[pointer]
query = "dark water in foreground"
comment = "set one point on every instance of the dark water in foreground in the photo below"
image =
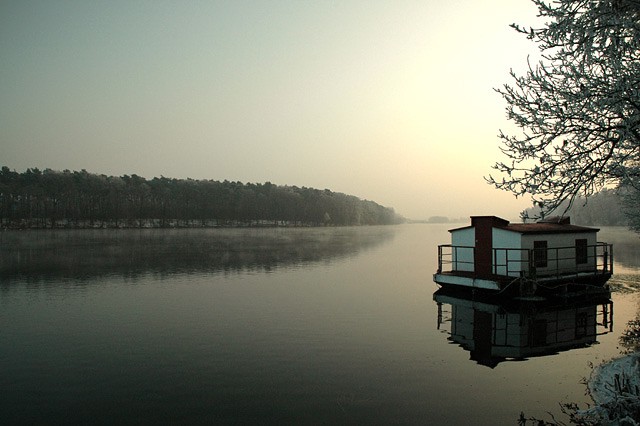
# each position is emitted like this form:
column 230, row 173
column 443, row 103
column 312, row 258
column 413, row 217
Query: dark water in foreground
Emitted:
column 281, row 326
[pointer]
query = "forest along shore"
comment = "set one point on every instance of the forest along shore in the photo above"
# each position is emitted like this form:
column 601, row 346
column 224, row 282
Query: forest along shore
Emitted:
column 43, row 223
column 53, row 199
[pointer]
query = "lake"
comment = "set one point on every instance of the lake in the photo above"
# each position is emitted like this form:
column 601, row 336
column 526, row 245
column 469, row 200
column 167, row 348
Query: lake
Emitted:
column 281, row 326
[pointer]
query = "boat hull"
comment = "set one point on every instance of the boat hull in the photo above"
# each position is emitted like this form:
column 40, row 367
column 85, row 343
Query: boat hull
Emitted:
column 524, row 286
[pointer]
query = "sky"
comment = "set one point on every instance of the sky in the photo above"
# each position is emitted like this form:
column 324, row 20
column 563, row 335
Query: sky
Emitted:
column 391, row 101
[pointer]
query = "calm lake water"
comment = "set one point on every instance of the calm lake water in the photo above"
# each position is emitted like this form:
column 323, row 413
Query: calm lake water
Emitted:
column 281, row 326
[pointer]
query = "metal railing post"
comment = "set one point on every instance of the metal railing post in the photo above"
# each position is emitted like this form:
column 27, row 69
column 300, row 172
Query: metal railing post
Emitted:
column 454, row 261
column 611, row 257
column 532, row 266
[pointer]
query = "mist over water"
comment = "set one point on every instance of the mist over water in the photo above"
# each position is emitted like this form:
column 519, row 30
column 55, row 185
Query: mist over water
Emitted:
column 318, row 325
column 48, row 255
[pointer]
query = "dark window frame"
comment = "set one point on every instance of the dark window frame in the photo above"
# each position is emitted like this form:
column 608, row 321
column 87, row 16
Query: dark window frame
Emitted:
column 582, row 255
column 540, row 257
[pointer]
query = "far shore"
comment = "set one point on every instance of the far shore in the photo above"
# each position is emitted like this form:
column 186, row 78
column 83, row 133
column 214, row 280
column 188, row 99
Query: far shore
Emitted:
column 42, row 224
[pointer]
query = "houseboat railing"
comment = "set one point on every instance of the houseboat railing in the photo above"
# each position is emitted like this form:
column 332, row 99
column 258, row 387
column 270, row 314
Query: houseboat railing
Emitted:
column 455, row 258
column 515, row 261
column 550, row 262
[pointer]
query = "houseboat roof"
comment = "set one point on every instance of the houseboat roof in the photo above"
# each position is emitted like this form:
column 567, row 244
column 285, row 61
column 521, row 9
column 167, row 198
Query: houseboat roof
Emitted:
column 552, row 225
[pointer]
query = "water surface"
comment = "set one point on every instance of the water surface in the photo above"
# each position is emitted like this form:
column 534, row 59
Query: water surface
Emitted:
column 257, row 326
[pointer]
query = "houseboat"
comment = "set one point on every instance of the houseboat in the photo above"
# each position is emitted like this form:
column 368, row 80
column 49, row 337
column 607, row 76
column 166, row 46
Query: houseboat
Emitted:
column 524, row 259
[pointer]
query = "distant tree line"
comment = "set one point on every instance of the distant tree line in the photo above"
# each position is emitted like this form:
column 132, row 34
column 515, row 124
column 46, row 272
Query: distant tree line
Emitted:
column 440, row 220
column 604, row 208
column 54, row 199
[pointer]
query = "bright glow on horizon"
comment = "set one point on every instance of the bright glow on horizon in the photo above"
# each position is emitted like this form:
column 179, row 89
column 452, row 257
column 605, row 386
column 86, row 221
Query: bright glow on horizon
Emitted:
column 390, row 101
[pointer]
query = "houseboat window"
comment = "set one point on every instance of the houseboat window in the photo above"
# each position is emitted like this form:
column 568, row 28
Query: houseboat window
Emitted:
column 581, row 325
column 540, row 254
column 581, row 251
column 538, row 333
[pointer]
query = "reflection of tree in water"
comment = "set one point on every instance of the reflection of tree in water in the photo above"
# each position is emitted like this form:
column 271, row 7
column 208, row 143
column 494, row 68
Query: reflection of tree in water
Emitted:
column 630, row 338
column 81, row 255
column 624, row 409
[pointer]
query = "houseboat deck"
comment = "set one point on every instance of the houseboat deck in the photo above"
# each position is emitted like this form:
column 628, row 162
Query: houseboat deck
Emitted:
column 521, row 285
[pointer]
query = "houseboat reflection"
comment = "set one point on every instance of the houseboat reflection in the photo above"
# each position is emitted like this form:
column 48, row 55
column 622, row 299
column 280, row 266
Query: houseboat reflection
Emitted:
column 494, row 331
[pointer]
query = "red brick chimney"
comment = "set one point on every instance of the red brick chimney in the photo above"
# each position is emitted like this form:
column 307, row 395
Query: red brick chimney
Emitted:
column 483, row 253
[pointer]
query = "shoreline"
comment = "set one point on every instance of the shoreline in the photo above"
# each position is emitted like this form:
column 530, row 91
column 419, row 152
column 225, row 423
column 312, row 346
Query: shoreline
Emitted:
column 614, row 387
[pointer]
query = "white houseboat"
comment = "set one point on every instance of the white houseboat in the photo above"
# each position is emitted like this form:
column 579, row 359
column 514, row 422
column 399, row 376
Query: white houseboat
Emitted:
column 523, row 258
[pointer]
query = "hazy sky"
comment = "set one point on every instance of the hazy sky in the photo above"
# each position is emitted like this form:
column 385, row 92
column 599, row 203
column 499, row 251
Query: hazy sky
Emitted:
column 390, row 101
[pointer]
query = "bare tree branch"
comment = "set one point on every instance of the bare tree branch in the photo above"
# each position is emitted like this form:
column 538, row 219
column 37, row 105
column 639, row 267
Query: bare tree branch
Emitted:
column 578, row 108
